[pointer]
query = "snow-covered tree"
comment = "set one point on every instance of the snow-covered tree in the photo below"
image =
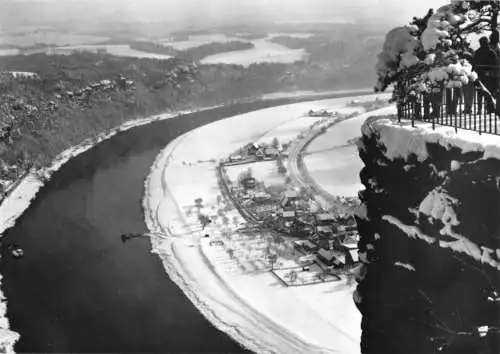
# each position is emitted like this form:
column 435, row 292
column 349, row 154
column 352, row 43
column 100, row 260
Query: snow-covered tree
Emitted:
column 432, row 53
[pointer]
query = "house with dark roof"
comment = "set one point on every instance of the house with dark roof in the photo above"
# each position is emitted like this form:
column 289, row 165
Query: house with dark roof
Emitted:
column 289, row 215
column 305, row 245
column 271, row 152
column 288, row 198
column 324, row 219
column 325, row 229
column 331, row 258
column 260, row 197
column 252, row 149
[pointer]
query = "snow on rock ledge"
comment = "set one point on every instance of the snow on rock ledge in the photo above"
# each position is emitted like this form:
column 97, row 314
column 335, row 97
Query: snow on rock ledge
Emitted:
column 430, row 239
column 401, row 139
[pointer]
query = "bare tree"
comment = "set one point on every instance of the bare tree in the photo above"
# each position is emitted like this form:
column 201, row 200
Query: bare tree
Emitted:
column 272, row 258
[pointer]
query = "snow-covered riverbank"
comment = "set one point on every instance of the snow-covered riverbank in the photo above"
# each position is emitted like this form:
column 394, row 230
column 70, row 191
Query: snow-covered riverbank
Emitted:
column 254, row 308
column 22, row 193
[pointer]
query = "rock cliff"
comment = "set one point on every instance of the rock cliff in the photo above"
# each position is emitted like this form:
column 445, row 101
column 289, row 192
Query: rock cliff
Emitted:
column 430, row 229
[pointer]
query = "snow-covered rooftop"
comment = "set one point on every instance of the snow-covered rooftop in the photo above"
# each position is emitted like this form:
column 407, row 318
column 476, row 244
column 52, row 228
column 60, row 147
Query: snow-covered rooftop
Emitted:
column 402, row 140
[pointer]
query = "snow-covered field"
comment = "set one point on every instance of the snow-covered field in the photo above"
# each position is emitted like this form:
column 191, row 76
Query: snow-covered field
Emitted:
column 305, row 93
column 6, row 52
column 290, row 130
column 332, row 158
column 122, row 50
column 202, row 39
column 265, row 171
column 199, row 40
column 313, row 319
column 263, row 52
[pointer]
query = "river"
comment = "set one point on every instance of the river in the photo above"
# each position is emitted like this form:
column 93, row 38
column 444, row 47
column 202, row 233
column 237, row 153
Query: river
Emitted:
column 79, row 288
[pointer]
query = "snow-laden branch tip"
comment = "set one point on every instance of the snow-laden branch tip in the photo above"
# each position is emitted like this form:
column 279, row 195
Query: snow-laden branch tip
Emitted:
column 430, row 54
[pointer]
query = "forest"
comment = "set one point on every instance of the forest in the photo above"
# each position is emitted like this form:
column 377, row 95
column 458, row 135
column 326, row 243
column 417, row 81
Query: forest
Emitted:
column 40, row 117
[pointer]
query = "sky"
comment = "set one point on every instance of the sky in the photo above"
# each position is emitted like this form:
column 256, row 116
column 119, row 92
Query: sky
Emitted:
column 390, row 11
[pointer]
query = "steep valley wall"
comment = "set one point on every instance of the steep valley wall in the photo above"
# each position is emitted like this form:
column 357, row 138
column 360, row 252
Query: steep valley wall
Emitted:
column 430, row 230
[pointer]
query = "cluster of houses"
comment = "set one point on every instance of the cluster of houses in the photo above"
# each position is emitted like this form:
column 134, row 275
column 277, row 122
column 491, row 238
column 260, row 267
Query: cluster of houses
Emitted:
column 332, row 240
column 321, row 113
column 257, row 152
column 333, row 243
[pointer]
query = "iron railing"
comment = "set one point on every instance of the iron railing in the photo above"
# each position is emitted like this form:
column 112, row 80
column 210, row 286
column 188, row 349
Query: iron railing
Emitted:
column 471, row 107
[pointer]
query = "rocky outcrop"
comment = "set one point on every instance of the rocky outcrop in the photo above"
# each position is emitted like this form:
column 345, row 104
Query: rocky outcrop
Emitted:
column 430, row 231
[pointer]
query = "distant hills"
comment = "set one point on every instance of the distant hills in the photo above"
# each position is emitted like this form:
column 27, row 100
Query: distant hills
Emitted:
column 85, row 15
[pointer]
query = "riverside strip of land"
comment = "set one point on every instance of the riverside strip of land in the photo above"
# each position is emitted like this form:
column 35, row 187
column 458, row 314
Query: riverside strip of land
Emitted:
column 236, row 290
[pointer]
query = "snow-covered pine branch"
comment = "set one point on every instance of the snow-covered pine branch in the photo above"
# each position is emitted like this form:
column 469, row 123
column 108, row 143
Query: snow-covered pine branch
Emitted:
column 429, row 54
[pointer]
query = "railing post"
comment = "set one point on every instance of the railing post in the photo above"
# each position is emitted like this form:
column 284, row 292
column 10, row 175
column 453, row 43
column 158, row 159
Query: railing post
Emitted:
column 460, row 102
column 474, row 104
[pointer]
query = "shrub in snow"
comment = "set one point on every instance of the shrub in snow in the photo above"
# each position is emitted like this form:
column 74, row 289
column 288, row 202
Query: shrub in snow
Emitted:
column 455, row 165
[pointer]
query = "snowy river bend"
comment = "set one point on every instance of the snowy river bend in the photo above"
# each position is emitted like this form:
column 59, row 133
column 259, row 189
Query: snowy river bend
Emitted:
column 79, row 288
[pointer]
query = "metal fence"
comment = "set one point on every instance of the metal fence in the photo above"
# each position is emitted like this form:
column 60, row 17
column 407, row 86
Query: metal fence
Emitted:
column 471, row 107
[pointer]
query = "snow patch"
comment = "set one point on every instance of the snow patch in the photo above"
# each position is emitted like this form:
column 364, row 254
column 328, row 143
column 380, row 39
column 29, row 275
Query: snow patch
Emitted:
column 454, row 165
column 460, row 245
column 483, row 331
column 407, row 266
column 372, row 182
column 438, row 205
column 401, row 139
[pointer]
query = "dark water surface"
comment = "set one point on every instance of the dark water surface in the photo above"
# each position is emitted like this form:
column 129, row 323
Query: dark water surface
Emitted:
column 79, row 288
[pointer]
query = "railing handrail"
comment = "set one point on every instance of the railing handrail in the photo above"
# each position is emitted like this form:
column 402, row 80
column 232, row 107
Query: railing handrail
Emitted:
column 471, row 107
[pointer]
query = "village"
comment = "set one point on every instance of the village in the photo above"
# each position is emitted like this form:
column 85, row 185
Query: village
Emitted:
column 284, row 230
